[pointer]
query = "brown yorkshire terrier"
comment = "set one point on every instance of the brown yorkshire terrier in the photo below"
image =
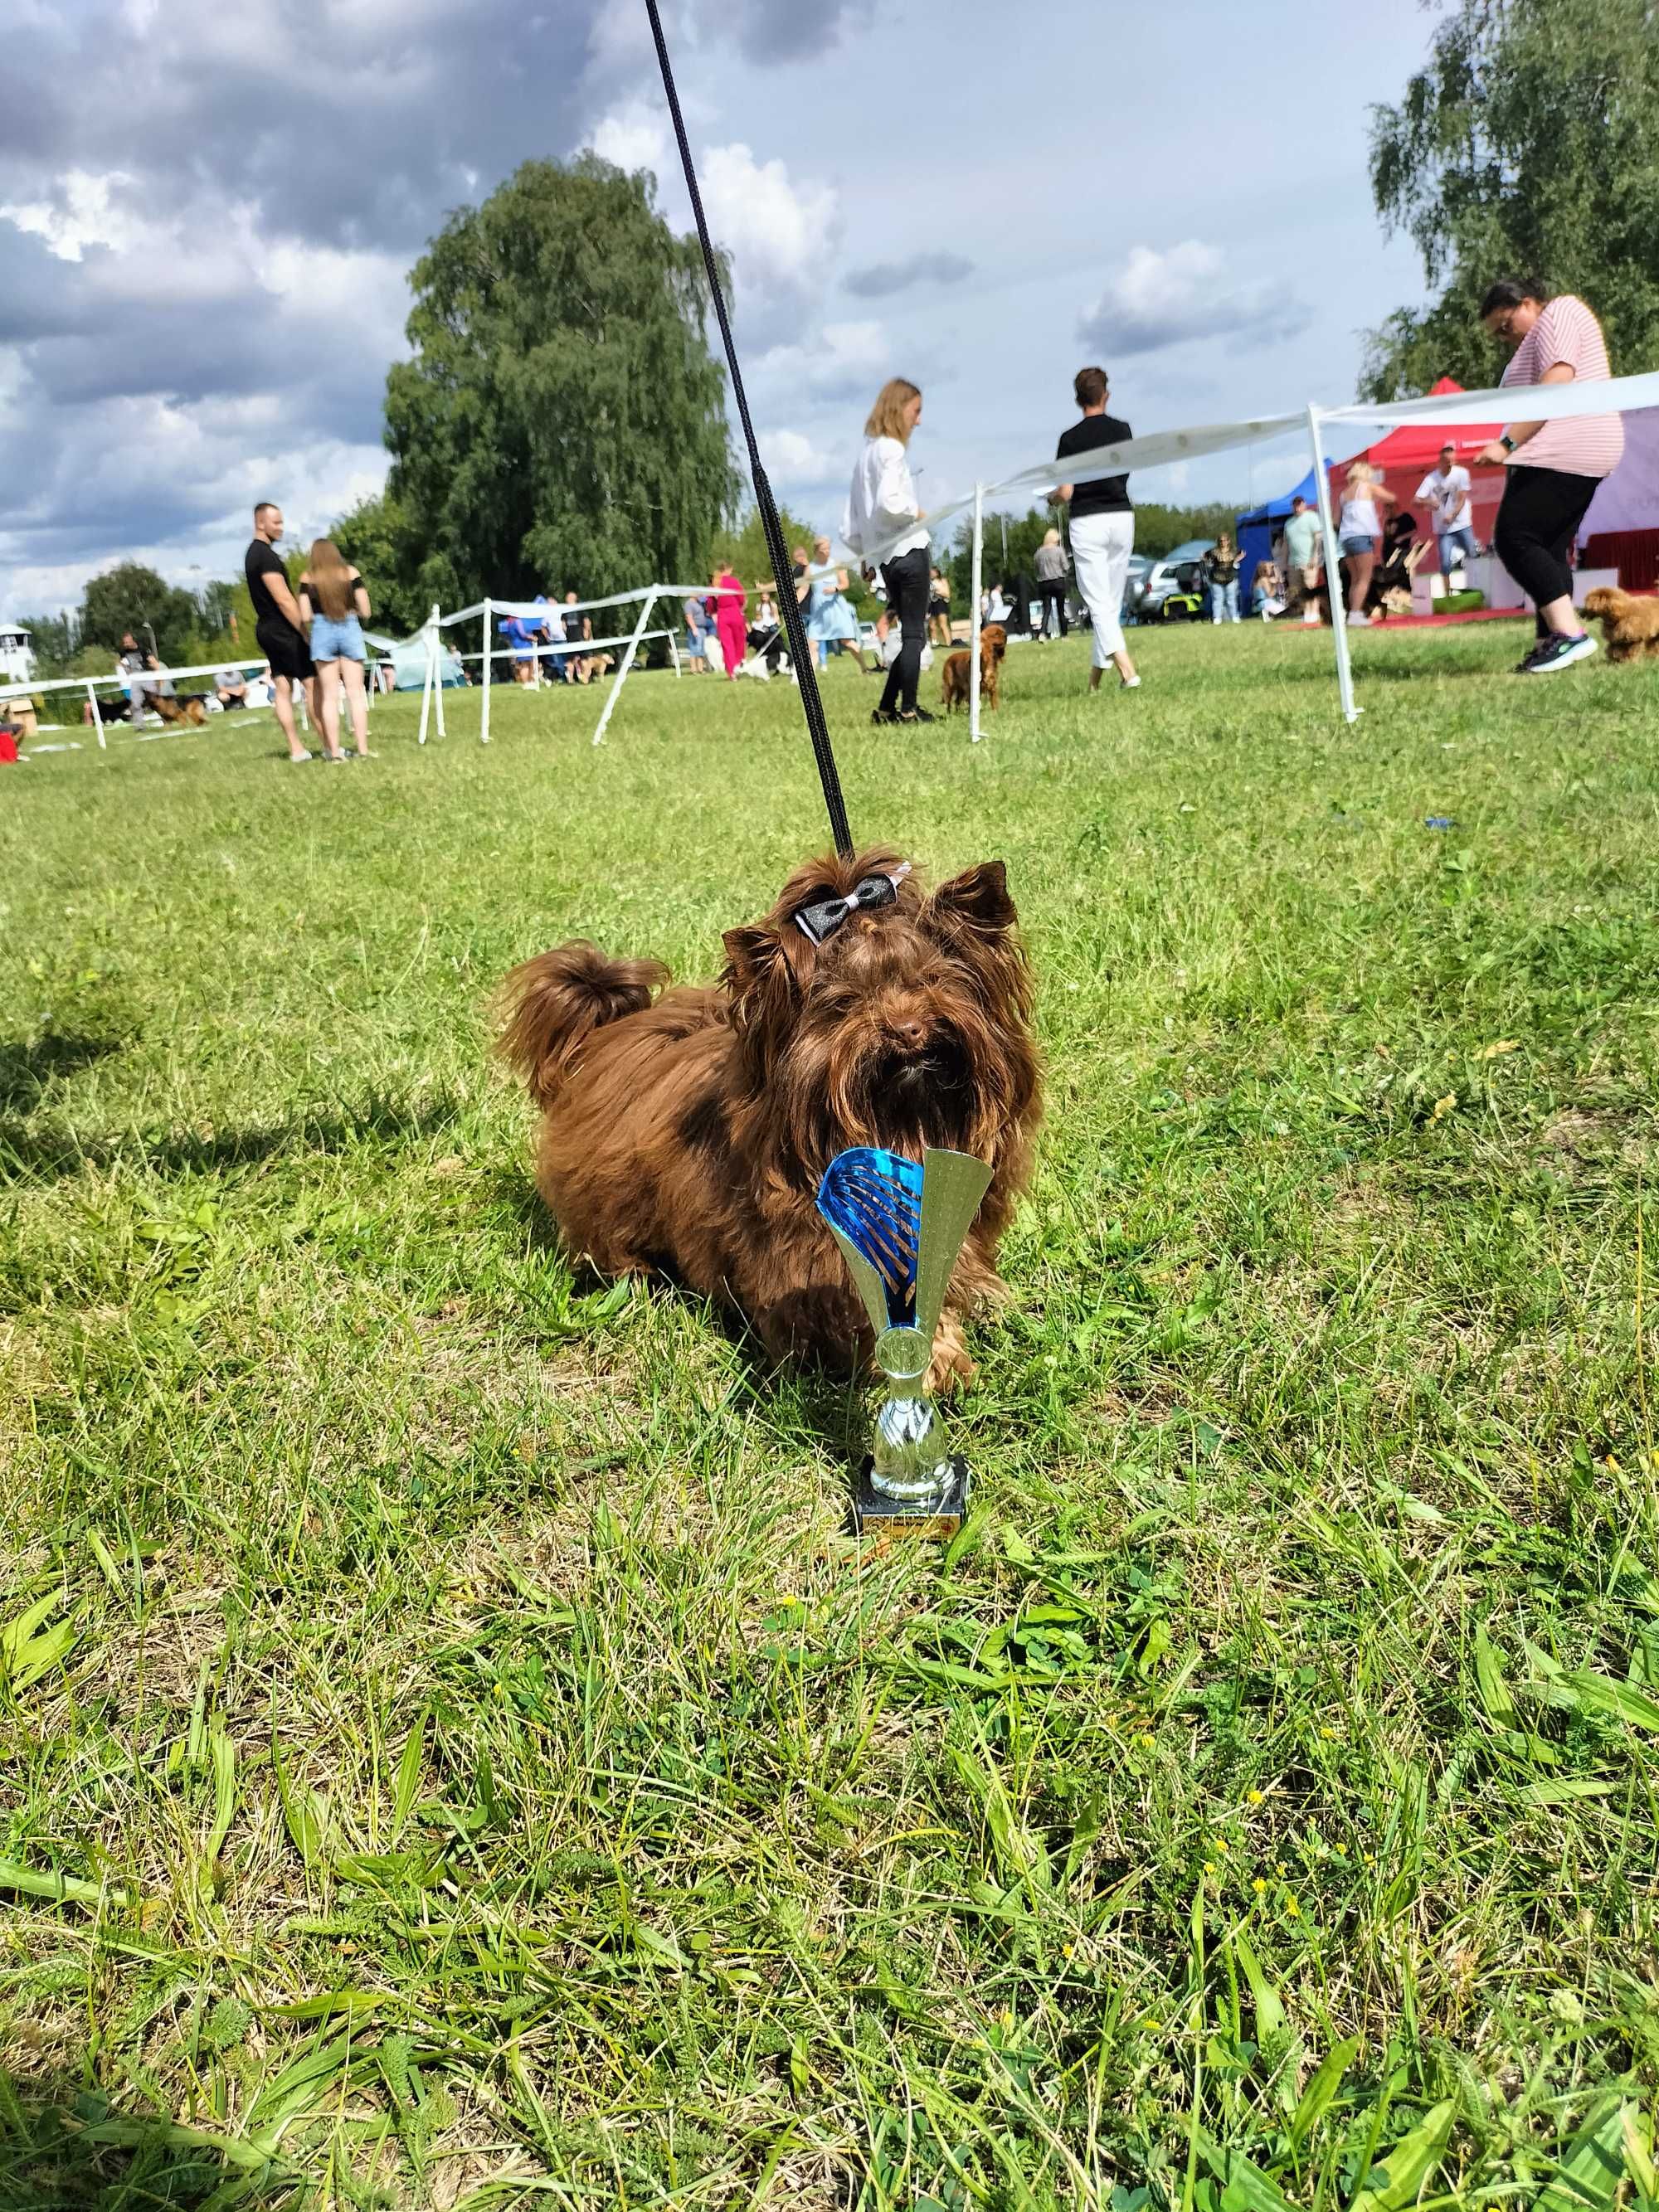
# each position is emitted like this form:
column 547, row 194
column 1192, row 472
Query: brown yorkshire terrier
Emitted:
column 685, row 1134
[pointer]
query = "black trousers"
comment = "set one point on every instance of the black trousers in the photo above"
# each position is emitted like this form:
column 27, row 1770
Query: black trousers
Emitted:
column 1054, row 601
column 1538, row 520
column 907, row 579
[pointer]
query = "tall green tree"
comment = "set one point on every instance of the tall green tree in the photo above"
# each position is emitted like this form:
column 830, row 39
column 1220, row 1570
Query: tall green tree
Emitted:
column 562, row 422
column 1527, row 146
column 134, row 597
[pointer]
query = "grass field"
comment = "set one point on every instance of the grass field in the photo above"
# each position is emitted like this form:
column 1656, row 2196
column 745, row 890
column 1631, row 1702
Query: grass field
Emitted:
column 450, row 1750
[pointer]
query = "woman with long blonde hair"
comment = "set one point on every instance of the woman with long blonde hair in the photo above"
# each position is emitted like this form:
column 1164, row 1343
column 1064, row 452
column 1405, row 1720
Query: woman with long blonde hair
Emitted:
column 334, row 606
column 882, row 509
column 1360, row 531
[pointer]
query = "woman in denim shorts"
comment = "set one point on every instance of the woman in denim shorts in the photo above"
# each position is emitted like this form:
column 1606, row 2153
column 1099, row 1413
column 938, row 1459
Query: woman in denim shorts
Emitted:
column 334, row 606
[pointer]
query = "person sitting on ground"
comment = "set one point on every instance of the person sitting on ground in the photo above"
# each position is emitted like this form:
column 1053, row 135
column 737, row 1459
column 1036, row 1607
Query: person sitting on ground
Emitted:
column 1266, row 592
column 230, row 688
column 1391, row 583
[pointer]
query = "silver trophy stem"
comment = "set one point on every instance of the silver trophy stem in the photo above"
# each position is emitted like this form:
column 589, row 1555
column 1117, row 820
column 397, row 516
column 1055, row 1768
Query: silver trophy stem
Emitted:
column 909, row 1459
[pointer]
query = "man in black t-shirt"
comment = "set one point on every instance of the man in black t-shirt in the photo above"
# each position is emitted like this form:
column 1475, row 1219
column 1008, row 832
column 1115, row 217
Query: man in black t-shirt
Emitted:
column 1102, row 526
column 277, row 623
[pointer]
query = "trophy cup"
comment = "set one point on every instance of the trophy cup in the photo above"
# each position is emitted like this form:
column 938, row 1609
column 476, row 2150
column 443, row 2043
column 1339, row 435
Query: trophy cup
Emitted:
column 900, row 1228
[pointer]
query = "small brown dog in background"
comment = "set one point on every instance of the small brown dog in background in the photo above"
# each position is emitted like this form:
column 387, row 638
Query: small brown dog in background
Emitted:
column 957, row 680
column 1630, row 625
column 685, row 1132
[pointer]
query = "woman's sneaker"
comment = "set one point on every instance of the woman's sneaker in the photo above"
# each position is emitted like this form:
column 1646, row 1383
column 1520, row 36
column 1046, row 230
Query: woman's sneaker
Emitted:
column 1561, row 653
column 882, row 720
column 915, row 715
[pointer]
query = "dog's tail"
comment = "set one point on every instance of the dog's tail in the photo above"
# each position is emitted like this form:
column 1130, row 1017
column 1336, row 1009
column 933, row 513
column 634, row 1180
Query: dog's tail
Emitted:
column 551, row 1004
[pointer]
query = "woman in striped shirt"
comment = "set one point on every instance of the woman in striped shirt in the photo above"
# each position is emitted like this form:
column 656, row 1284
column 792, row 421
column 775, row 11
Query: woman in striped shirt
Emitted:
column 1548, row 493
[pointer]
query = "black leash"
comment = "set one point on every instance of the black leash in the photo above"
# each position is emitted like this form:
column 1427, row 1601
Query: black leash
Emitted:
column 800, row 652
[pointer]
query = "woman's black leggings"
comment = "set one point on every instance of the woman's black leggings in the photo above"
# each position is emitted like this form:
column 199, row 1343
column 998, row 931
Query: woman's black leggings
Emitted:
column 1053, row 603
column 1537, row 522
column 907, row 579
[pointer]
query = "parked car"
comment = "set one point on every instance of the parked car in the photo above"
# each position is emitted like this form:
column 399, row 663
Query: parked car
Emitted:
column 1174, row 590
column 1134, row 584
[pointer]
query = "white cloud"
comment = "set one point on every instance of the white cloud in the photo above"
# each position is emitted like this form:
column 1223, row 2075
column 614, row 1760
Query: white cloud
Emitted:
column 781, row 237
column 1163, row 298
column 843, row 360
column 634, row 136
column 791, row 458
column 81, row 215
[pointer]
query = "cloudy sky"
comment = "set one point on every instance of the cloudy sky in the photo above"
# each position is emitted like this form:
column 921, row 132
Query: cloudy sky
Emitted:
column 208, row 208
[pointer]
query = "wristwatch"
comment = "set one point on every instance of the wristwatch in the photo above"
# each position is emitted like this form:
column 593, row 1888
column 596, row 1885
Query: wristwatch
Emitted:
column 1506, row 442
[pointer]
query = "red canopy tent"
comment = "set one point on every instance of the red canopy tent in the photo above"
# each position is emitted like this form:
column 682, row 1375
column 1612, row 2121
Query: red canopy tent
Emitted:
column 1407, row 455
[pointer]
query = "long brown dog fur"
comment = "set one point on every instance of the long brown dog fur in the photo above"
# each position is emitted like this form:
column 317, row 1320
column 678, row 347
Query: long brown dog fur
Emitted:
column 684, row 1131
column 1630, row 625
column 956, row 682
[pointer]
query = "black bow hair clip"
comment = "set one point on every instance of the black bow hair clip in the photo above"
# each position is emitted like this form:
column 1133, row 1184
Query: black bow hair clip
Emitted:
column 824, row 916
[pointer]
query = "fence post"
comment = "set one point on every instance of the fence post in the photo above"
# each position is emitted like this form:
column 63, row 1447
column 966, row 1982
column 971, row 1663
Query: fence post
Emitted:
column 645, row 606
column 484, row 725
column 426, row 681
column 98, row 719
column 973, row 641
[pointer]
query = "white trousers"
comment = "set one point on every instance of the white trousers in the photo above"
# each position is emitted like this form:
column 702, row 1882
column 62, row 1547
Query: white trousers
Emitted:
column 1101, row 546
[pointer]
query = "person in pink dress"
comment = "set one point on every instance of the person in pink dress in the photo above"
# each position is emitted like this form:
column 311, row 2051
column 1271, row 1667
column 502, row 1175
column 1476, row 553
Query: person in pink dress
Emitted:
column 730, row 609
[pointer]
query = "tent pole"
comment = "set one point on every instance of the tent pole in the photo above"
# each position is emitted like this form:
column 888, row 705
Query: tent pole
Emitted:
column 426, row 682
column 1333, row 573
column 438, row 673
column 645, row 606
column 98, row 720
column 483, row 726
column 973, row 610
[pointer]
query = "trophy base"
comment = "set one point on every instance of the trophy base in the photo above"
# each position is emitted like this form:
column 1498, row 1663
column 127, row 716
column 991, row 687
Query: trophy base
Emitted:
column 930, row 1519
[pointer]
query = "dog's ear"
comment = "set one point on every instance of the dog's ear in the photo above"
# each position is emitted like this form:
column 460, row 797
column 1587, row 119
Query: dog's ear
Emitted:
column 758, row 980
column 978, row 896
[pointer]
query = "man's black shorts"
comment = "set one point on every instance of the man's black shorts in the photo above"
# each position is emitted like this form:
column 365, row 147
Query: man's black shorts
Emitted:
column 285, row 649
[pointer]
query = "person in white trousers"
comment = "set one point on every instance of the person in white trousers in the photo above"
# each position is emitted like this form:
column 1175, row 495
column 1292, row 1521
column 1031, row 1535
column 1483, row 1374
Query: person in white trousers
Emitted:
column 1103, row 527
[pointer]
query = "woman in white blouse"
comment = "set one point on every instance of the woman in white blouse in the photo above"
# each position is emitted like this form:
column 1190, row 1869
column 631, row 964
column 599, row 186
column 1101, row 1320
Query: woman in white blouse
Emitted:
column 884, row 523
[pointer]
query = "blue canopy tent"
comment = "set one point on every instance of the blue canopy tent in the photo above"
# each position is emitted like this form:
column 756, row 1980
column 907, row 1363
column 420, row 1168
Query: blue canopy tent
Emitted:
column 1257, row 530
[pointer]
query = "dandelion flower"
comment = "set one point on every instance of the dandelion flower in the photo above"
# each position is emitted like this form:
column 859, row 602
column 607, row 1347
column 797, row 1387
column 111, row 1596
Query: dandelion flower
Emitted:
column 1259, row 1887
column 1291, row 1908
column 1252, row 1797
